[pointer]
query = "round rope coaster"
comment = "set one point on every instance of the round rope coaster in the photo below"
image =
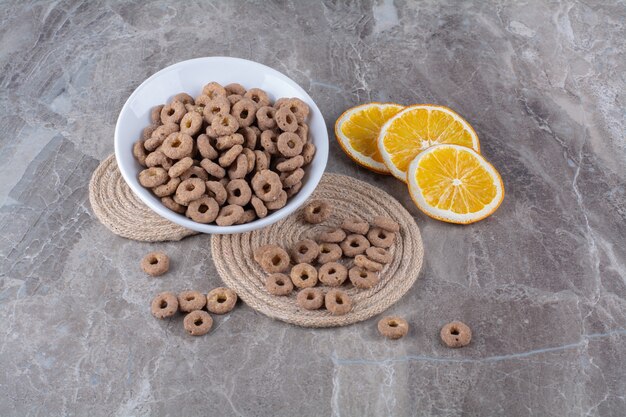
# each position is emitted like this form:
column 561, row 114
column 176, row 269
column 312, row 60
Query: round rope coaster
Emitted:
column 119, row 209
column 232, row 255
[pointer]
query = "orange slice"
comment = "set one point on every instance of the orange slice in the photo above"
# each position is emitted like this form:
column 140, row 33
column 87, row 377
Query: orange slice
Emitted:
column 357, row 132
column 418, row 127
column 454, row 184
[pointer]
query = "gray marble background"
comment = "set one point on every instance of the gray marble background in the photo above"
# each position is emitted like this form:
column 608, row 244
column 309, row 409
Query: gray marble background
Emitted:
column 542, row 282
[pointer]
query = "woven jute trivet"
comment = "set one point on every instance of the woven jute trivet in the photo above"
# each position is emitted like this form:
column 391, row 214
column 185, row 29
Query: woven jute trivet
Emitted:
column 121, row 211
column 232, row 255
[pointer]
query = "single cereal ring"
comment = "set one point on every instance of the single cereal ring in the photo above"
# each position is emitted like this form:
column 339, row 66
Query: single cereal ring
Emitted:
column 332, row 236
column 239, row 192
column 191, row 123
column 291, row 191
column 329, row 252
column 362, row 278
column 239, row 168
column 308, row 152
column 273, row 259
column 317, row 211
column 386, row 223
column 298, row 107
column 203, row 142
column 198, row 323
column 158, row 159
column 393, row 327
column 260, row 251
column 333, row 274
column 173, row 112
column 210, row 132
column 337, row 302
column 381, row 237
column 195, row 172
column 303, row 275
column 249, row 137
column 164, row 305
column 258, row 96
column 155, row 263
column 265, row 117
column 366, row 263
column 226, row 142
column 173, row 205
column 159, row 135
column 278, row 284
column 191, row 300
column 139, row 152
column 279, row 103
column 179, row 202
column 168, row 188
column 289, row 144
column 305, row 251
column 219, row 106
column 146, row 133
column 269, row 141
column 355, row 225
column 279, row 203
column 202, row 100
column 286, row 120
column 290, row 164
column 221, row 300
column 234, row 98
column 235, row 88
column 259, row 207
column 289, row 179
column 153, row 177
column 155, row 114
column 310, row 298
column 217, row 191
column 190, row 189
column 180, row 167
column 248, row 216
column 177, row 145
column 380, row 255
column 266, row 185
column 203, row 210
column 244, row 111
column 213, row 90
column 212, row 168
column 229, row 215
column 251, row 159
column 183, row 98
column 229, row 156
column 456, row 334
column 224, row 124
column 262, row 160
column 303, row 132
column 354, row 245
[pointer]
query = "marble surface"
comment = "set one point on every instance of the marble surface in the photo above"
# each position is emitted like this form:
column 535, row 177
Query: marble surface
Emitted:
column 542, row 282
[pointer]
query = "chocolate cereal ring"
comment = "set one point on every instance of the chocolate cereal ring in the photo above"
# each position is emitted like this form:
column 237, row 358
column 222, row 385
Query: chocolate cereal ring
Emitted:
column 262, row 160
column 386, row 223
column 305, row 251
column 168, row 188
column 269, row 141
column 244, row 111
column 139, row 152
column 355, row 225
column 239, row 168
column 248, row 216
column 221, row 300
column 278, row 284
column 249, row 137
column 153, row 177
column 310, row 298
column 289, row 144
column 279, row 203
column 333, row 274
column 155, row 263
column 206, row 149
column 224, row 124
column 235, row 88
column 226, row 142
column 159, row 135
column 173, row 112
column 155, row 114
column 173, row 205
column 158, row 159
column 362, row 278
column 266, row 185
column 239, row 192
column 298, row 107
column 183, row 98
column 289, row 179
column 229, row 215
column 259, row 207
column 202, row 100
column 212, row 168
column 456, row 334
column 258, row 96
column 191, row 123
column 194, row 172
column 190, row 189
column 265, row 117
column 229, row 156
column 279, row 103
column 164, row 305
column 354, row 245
column 251, row 159
column 146, row 133
column 380, row 255
column 303, row 275
column 234, row 98
column 198, row 323
column 217, row 191
column 332, row 236
column 191, row 300
column 180, row 167
column 293, row 190
column 337, row 302
column 393, row 327
column 213, row 90
column 366, row 263
column 177, row 145
column 286, row 120
column 380, row 237
column 273, row 259
column 290, row 164
column 329, row 252
column 303, row 132
column 308, row 152
column 317, row 211
column 219, row 106
column 203, row 210
column 210, row 132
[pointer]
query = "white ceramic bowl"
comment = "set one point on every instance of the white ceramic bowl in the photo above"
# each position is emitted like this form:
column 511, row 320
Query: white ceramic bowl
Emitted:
column 190, row 76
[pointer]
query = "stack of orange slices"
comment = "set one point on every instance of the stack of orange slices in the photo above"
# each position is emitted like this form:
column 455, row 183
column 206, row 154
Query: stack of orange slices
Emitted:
column 431, row 148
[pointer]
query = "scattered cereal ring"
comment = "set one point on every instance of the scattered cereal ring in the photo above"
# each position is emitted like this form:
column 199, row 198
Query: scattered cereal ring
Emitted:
column 310, row 298
column 146, row 133
column 355, row 225
column 332, row 236
column 203, row 210
column 213, row 90
column 224, row 124
column 173, row 112
column 226, row 142
column 191, row 123
column 266, row 185
column 168, row 188
column 291, row 191
column 177, row 145
column 153, row 177
column 230, row 155
column 299, row 108
column 164, row 305
column 333, row 274
column 219, row 106
column 202, row 100
column 308, row 152
column 260, row 251
column 305, row 251
column 158, row 159
column 289, row 144
column 235, row 88
column 262, row 161
column 259, row 207
column 239, row 192
column 248, row 216
column 251, row 159
column 198, row 323
column 239, row 168
column 221, row 300
column 269, row 141
column 366, row 263
column 249, row 137
column 265, row 117
column 173, row 205
column 456, row 334
column 191, row 300
column 381, row 237
column 329, row 252
column 155, row 263
column 234, row 98
column 278, row 284
column 155, row 114
column 279, row 203
column 212, row 168
column 205, row 148
column 194, row 172
column 229, row 215
column 337, row 302
column 274, row 259
column 190, row 189
column 317, row 211
column 303, row 275
column 289, row 179
column 393, row 327
column 244, row 111
column 354, row 245
column 159, row 135
column 380, row 255
column 217, row 191
column 183, row 98
column 303, row 132
column 258, row 96
column 386, row 223
column 180, row 167
column 139, row 152
column 286, row 120
column 290, row 164
column 362, row 278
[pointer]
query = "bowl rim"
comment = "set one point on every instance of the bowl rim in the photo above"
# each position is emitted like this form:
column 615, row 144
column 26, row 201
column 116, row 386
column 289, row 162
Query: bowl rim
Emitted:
column 321, row 156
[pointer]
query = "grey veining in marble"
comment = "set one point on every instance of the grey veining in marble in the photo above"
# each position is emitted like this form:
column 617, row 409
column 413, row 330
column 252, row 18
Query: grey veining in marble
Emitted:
column 542, row 282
